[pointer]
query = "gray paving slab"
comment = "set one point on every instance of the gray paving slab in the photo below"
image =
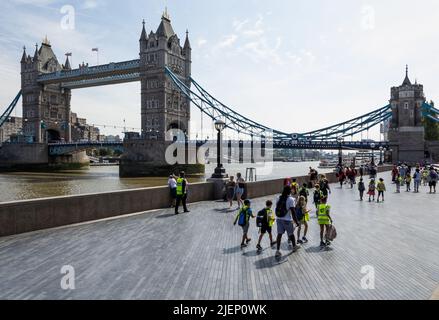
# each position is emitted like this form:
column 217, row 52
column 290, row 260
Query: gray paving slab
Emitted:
column 157, row 255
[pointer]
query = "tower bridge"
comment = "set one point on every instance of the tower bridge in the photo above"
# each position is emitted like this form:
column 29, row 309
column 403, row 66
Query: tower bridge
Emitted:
column 167, row 92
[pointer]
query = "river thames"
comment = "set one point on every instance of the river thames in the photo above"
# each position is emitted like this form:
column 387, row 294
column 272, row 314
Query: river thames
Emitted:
column 33, row 185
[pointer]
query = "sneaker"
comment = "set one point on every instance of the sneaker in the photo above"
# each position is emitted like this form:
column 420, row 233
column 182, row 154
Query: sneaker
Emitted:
column 187, row 211
column 328, row 243
column 278, row 254
column 273, row 243
column 299, row 242
column 305, row 240
column 248, row 241
column 259, row 247
column 243, row 245
column 295, row 248
column 322, row 244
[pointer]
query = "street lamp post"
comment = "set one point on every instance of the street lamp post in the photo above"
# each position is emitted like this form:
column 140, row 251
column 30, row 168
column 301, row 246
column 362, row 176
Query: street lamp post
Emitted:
column 220, row 171
column 373, row 145
column 381, row 155
column 340, row 151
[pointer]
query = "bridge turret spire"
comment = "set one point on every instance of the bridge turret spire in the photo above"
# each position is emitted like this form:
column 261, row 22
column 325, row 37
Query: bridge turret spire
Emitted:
column 165, row 27
column 407, row 81
column 143, row 36
column 187, row 44
column 23, row 58
column 36, row 54
column 67, row 65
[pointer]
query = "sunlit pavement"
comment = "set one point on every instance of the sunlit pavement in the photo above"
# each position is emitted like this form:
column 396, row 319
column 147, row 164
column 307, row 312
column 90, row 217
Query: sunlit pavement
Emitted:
column 383, row 251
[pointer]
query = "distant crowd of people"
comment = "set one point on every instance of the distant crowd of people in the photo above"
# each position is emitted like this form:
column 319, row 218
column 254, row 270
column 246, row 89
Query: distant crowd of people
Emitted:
column 290, row 211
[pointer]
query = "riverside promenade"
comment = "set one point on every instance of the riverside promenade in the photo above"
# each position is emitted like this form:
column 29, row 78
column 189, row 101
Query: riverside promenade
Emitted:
column 157, row 255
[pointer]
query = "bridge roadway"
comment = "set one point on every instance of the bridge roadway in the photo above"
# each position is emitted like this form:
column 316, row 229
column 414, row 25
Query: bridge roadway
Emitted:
column 157, row 255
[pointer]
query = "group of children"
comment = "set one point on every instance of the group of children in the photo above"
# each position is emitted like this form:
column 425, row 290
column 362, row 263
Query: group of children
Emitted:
column 300, row 214
column 373, row 188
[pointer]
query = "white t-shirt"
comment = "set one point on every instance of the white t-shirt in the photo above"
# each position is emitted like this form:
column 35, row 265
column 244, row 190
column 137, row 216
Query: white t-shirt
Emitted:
column 291, row 203
column 172, row 183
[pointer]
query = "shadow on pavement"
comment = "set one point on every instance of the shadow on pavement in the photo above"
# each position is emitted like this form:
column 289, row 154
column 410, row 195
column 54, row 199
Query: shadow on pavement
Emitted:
column 318, row 249
column 271, row 262
column 164, row 216
column 232, row 250
column 224, row 210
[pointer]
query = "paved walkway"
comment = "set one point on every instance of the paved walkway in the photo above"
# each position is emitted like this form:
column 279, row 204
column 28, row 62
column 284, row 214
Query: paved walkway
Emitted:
column 197, row 256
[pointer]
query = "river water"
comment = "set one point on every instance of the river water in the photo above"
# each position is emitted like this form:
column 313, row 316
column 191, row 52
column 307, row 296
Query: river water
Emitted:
column 26, row 185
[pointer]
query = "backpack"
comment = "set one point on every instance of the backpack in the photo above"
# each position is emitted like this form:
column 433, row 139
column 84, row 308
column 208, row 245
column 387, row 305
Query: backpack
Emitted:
column 262, row 218
column 317, row 196
column 281, row 207
column 299, row 213
column 242, row 220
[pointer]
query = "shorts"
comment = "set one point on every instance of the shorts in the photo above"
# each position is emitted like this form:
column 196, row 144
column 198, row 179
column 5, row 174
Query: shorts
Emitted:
column 381, row 193
column 173, row 193
column 305, row 219
column 432, row 183
column 231, row 193
column 245, row 228
column 240, row 191
column 285, row 226
column 265, row 229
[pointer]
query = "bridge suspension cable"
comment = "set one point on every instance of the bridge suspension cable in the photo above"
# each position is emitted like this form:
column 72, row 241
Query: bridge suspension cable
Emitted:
column 215, row 109
column 5, row 116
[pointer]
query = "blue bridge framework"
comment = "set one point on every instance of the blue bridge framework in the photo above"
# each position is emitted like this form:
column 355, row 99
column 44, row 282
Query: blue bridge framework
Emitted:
column 128, row 71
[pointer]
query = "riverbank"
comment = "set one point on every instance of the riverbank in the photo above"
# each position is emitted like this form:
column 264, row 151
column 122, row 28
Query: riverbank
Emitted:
column 34, row 185
column 30, row 215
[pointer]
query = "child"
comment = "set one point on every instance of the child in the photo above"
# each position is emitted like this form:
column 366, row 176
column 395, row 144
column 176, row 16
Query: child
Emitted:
column 294, row 188
column 398, row 183
column 243, row 219
column 417, row 180
column 304, row 191
column 302, row 214
column 324, row 220
column 265, row 221
column 371, row 191
column 361, row 188
column 408, row 181
column 230, row 187
column 317, row 196
column 381, row 187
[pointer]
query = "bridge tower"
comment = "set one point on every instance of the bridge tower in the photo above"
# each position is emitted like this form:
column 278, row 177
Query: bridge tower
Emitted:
column 406, row 133
column 46, row 109
column 163, row 106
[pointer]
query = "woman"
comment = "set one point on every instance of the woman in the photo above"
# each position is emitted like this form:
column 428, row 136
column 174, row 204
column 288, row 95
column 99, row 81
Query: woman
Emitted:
column 230, row 190
column 239, row 189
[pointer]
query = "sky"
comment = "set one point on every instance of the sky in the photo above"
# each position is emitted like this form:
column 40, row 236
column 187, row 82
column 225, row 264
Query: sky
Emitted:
column 293, row 65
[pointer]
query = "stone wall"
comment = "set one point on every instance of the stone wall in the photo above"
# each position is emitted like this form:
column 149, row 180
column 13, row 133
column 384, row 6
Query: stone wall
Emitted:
column 147, row 158
column 23, row 154
column 31, row 215
column 433, row 149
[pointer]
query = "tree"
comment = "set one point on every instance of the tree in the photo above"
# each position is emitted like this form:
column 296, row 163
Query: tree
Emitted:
column 431, row 127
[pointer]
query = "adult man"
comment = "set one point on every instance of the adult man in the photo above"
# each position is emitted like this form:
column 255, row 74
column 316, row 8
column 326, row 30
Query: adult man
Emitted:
column 182, row 187
column 285, row 215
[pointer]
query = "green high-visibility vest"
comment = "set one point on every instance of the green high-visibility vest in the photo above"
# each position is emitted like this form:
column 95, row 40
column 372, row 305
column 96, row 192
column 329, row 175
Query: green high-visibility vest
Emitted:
column 323, row 214
column 180, row 187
